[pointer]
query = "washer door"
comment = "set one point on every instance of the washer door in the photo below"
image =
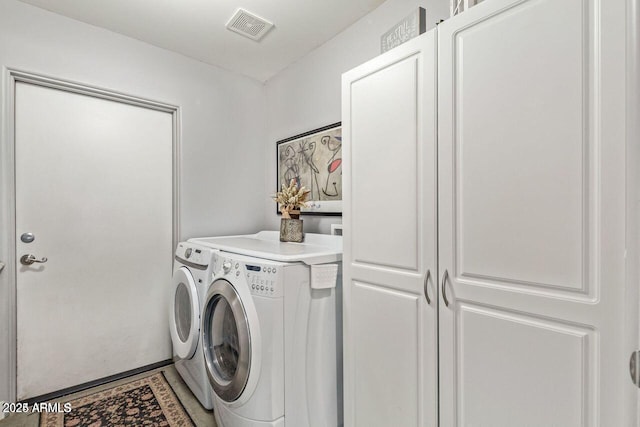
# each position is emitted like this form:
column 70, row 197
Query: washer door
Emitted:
column 226, row 341
column 184, row 314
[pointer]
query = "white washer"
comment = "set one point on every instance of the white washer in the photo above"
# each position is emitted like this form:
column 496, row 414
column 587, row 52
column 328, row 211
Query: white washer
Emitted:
column 271, row 330
column 192, row 272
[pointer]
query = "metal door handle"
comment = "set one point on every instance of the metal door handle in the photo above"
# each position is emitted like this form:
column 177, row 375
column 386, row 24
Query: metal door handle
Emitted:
column 426, row 286
column 30, row 259
column 445, row 276
column 1, row 266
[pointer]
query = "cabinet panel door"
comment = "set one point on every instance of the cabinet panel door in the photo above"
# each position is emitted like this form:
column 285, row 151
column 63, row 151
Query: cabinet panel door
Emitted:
column 389, row 175
column 531, row 214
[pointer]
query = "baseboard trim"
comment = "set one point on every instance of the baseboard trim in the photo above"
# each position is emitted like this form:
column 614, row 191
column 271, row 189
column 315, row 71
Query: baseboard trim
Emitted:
column 95, row 383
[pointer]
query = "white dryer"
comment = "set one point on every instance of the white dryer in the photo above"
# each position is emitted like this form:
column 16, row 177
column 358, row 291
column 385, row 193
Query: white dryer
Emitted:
column 192, row 272
column 271, row 330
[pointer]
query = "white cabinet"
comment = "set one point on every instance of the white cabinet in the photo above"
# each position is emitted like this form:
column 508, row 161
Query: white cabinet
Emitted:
column 389, row 109
column 515, row 209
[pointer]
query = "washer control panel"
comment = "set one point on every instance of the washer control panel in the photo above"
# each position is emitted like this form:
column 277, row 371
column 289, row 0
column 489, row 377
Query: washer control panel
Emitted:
column 263, row 279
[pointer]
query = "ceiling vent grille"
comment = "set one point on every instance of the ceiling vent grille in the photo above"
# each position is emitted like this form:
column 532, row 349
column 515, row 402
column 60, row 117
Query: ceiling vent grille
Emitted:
column 249, row 25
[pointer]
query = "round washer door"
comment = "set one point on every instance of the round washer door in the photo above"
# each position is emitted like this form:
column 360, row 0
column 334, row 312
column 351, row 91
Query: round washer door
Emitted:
column 184, row 314
column 226, row 341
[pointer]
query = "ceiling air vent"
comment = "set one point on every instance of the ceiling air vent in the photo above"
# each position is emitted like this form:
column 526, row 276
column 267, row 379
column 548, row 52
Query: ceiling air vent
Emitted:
column 249, row 25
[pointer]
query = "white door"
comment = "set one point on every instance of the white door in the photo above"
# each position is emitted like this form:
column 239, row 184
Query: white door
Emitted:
column 94, row 186
column 389, row 178
column 531, row 215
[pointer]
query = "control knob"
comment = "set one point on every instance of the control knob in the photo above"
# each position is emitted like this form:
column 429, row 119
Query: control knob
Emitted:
column 226, row 266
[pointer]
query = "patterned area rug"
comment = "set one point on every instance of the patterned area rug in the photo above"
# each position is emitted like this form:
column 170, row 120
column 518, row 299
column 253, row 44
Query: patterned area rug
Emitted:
column 148, row 401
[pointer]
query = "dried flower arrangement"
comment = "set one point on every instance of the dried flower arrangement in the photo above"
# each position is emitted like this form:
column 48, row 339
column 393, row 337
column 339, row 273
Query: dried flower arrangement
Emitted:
column 290, row 199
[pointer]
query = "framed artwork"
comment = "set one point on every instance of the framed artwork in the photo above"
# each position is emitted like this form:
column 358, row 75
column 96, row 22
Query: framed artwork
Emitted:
column 314, row 160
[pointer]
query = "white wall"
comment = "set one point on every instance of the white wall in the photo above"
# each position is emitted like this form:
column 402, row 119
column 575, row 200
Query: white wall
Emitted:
column 306, row 95
column 222, row 128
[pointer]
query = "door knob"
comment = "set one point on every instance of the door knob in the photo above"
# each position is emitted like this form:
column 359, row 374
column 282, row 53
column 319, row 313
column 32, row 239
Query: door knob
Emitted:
column 30, row 259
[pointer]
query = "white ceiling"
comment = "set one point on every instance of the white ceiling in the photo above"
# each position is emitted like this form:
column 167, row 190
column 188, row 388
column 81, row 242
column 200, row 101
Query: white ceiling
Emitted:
column 196, row 28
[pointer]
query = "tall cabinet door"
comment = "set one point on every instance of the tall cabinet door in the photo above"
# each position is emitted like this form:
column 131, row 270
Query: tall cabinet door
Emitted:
column 389, row 176
column 531, row 215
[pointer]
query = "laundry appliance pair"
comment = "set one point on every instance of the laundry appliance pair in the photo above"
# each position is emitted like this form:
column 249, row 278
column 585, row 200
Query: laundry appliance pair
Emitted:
column 268, row 345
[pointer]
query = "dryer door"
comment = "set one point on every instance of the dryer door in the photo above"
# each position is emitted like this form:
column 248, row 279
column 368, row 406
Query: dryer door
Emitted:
column 184, row 314
column 226, row 341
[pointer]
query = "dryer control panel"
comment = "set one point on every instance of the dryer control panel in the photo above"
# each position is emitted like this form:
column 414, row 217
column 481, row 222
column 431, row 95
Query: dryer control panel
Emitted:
column 193, row 255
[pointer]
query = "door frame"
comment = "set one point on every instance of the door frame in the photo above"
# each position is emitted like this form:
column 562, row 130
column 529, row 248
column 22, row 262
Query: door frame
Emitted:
column 8, row 280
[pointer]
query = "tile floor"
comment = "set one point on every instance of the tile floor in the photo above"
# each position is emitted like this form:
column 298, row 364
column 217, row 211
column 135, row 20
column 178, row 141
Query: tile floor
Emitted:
column 200, row 416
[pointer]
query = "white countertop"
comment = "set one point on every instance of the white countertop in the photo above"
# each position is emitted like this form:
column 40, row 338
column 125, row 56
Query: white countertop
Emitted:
column 316, row 248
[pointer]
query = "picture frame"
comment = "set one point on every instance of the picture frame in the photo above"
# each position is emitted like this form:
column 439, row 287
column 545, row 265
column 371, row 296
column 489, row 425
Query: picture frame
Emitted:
column 314, row 160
